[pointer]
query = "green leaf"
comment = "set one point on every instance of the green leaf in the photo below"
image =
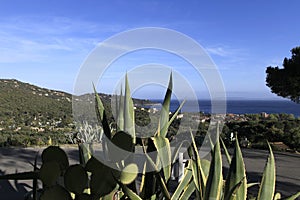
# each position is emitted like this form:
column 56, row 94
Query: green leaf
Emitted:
column 183, row 183
column 199, row 176
column 236, row 173
column 56, row 192
column 130, row 193
column 76, row 179
column 293, row 197
column 164, row 116
column 176, row 150
column 188, row 191
column 55, row 153
column 129, row 124
column 120, row 112
column 160, row 180
column 277, row 196
column 267, row 186
column 162, row 145
column 226, row 151
column 49, row 173
column 20, row 176
column 175, row 114
column 205, row 164
column 251, row 184
column 84, row 153
column 129, row 174
column 101, row 114
column 215, row 178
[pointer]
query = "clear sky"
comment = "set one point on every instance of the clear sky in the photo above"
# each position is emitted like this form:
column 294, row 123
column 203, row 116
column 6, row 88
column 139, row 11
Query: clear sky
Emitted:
column 45, row 42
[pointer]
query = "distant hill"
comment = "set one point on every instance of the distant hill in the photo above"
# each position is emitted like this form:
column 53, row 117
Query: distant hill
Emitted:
column 24, row 104
column 23, row 101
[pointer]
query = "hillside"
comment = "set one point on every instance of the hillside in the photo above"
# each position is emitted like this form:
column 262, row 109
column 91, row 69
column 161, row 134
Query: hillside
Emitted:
column 23, row 106
column 26, row 104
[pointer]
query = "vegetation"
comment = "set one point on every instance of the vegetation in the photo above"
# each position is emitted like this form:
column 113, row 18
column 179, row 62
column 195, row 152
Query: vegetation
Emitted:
column 285, row 82
column 30, row 115
column 274, row 128
column 94, row 180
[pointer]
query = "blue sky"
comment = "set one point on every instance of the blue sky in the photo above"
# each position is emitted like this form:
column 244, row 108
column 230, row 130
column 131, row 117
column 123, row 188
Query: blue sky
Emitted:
column 46, row 42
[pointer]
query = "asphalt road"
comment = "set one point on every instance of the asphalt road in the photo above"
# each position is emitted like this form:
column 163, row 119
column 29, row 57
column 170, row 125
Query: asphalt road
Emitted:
column 287, row 169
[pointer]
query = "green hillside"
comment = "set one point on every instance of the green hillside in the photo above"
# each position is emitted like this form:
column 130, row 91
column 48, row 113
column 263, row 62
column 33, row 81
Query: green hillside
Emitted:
column 29, row 114
column 23, row 104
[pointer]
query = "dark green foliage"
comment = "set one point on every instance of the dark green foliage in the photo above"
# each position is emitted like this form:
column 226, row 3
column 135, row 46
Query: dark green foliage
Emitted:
column 275, row 128
column 285, row 82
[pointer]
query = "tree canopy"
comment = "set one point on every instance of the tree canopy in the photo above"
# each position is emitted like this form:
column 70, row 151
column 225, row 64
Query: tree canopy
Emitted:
column 285, row 82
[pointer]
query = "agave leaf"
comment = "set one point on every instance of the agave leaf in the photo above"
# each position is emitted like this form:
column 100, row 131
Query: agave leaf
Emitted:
column 56, row 192
column 293, row 197
column 205, row 164
column 236, row 173
column 143, row 178
column 159, row 178
column 76, row 179
column 101, row 114
column 215, row 178
column 277, row 196
column 164, row 116
column 226, row 151
column 176, row 150
column 162, row 145
column 55, row 153
column 175, row 114
column 129, row 174
column 49, row 173
column 232, row 193
column 129, row 124
column 188, row 191
column 20, row 176
column 120, row 112
column 183, row 183
column 251, row 184
column 199, row 176
column 84, row 153
column 267, row 186
column 132, row 195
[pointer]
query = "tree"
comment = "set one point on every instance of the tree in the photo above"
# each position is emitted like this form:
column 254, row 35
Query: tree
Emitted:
column 285, row 82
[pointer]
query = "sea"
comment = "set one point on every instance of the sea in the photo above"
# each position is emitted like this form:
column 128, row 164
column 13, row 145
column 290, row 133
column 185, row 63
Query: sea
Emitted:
column 241, row 106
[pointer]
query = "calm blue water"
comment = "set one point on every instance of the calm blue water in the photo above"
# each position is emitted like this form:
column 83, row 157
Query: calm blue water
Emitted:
column 243, row 106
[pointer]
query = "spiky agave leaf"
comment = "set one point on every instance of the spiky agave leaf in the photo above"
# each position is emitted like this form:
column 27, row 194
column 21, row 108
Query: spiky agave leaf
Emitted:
column 101, row 114
column 198, row 173
column 186, row 180
column 215, row 178
column 129, row 124
column 164, row 116
column 267, row 185
column 162, row 145
column 236, row 175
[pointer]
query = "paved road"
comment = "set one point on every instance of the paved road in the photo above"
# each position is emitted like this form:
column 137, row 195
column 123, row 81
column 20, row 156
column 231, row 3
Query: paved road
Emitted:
column 287, row 169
